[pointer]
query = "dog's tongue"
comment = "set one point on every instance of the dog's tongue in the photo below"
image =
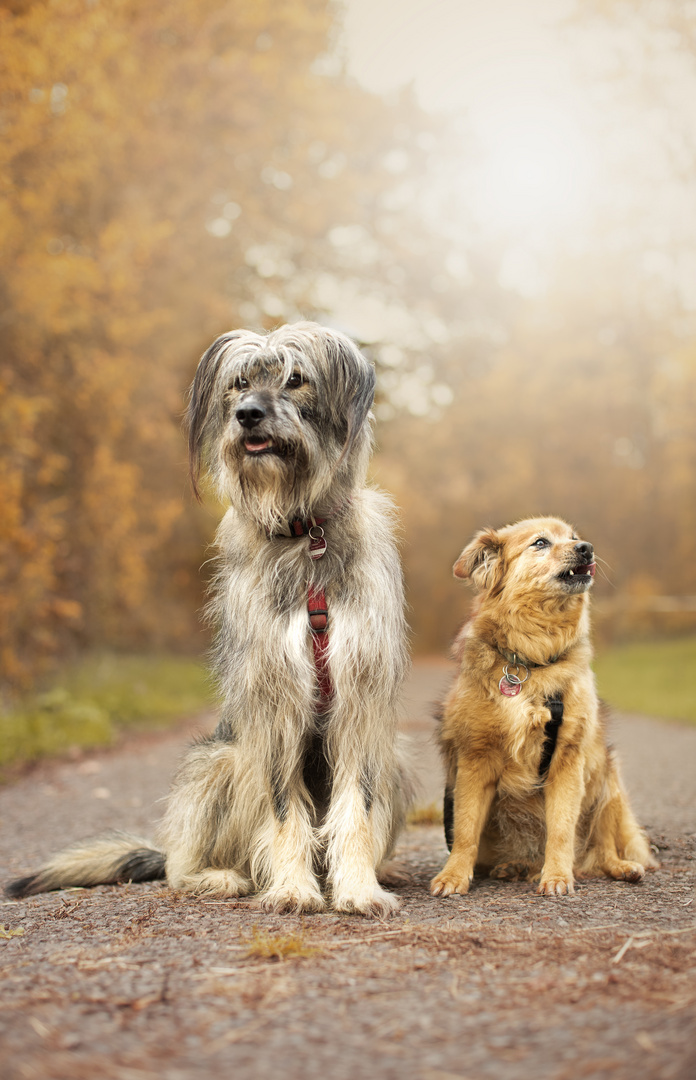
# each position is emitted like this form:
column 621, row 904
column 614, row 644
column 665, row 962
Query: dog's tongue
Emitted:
column 588, row 568
column 254, row 447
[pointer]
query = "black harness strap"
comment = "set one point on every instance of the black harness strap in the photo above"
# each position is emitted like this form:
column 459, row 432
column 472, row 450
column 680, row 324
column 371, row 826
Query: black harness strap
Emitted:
column 552, row 726
column 448, row 816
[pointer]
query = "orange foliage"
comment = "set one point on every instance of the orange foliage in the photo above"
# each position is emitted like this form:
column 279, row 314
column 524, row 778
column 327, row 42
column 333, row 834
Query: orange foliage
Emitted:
column 171, row 171
column 148, row 152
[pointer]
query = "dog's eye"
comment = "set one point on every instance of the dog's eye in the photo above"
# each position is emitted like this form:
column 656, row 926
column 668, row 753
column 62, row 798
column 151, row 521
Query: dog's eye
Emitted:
column 240, row 383
column 542, row 542
column 295, row 380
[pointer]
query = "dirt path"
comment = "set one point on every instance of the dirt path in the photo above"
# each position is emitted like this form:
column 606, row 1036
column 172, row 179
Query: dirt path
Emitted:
column 136, row 983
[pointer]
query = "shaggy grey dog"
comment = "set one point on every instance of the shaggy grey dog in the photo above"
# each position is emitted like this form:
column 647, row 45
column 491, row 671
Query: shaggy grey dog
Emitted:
column 300, row 792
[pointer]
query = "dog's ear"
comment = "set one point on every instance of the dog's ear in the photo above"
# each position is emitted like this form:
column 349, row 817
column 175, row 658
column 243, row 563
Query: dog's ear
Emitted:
column 200, row 415
column 481, row 560
column 359, row 379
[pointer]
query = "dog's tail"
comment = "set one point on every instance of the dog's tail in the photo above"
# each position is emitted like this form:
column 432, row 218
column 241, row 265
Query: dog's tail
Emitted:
column 105, row 860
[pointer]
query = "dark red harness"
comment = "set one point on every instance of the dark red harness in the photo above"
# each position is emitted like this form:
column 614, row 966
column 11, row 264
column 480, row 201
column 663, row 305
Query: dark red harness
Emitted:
column 317, row 609
column 319, row 623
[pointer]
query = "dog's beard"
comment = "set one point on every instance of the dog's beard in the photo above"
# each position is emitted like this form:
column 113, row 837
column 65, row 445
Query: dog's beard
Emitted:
column 270, row 486
column 274, row 485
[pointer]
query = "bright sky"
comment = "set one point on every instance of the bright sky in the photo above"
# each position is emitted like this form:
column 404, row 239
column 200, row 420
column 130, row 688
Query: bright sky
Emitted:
column 557, row 150
column 505, row 64
column 478, row 54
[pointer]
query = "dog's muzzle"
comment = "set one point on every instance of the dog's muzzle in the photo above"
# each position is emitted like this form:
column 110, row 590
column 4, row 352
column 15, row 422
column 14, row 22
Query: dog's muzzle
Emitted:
column 250, row 414
column 580, row 575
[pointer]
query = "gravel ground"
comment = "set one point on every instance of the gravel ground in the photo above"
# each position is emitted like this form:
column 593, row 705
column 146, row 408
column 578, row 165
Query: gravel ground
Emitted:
column 135, row 982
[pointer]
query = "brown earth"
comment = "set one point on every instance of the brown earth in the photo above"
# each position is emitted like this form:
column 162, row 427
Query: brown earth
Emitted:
column 135, row 982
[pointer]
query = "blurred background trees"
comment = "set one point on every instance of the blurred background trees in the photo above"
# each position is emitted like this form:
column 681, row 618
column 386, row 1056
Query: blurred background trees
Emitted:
column 171, row 171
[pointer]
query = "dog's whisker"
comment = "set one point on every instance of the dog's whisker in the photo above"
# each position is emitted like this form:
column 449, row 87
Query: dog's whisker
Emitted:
column 601, row 563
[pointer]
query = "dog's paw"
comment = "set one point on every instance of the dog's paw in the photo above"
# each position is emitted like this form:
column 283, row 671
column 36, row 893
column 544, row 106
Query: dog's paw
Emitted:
column 287, row 900
column 221, row 884
column 639, row 851
column 556, row 885
column 451, row 880
column 375, row 903
column 623, row 870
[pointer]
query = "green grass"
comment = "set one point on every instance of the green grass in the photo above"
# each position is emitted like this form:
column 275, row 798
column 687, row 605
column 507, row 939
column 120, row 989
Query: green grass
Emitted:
column 430, row 814
column 92, row 701
column 656, row 678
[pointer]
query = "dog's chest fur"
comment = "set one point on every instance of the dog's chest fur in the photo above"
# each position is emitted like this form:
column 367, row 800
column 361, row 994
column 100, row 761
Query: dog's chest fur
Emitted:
column 522, row 735
column 512, row 730
column 260, row 608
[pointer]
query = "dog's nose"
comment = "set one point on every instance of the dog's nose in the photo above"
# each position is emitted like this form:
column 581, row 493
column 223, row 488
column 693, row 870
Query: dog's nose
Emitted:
column 250, row 413
column 585, row 551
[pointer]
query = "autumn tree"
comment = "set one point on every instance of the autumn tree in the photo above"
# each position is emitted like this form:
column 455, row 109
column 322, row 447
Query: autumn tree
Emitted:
column 167, row 173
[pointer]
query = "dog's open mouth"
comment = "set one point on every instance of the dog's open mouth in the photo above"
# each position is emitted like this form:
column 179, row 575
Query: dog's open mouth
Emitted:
column 256, row 445
column 576, row 577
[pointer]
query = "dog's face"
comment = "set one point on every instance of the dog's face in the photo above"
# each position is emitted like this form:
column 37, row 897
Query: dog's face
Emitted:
column 282, row 419
column 536, row 556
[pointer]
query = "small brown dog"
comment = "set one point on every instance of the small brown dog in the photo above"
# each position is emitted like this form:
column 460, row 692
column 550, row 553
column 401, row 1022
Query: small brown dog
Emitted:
column 533, row 790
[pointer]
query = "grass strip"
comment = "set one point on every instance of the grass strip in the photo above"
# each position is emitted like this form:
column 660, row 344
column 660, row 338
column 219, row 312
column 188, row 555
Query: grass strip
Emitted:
column 656, row 678
column 90, row 702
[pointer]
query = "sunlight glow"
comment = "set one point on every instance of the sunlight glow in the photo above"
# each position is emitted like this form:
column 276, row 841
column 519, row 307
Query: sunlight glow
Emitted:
column 506, row 67
column 537, row 170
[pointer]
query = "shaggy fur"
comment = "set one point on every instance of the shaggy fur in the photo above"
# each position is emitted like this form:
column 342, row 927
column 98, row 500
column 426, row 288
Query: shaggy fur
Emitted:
column 292, row 797
column 511, row 816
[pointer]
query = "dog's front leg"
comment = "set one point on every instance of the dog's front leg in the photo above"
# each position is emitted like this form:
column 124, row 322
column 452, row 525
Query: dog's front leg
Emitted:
column 473, row 795
column 356, row 831
column 286, row 855
column 563, row 792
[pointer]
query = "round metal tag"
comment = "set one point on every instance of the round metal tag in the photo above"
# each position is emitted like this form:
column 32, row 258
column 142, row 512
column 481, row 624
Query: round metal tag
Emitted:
column 509, row 689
